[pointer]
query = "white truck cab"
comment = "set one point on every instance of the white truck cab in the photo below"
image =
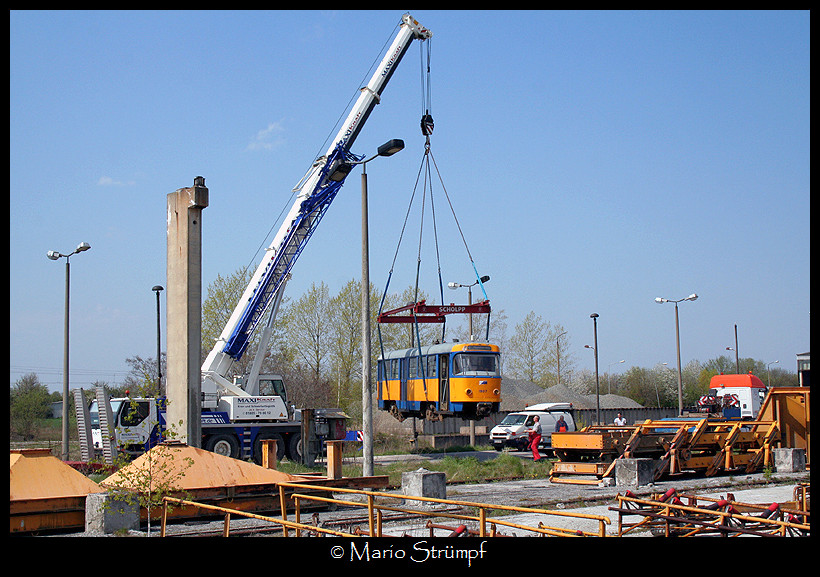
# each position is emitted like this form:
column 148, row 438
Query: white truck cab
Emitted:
column 742, row 395
column 513, row 430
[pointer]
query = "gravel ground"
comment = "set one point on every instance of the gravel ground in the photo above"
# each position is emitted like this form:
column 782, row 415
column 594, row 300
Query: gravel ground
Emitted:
column 534, row 493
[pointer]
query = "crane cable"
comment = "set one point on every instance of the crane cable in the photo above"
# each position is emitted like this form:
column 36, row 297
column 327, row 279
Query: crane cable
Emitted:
column 427, row 126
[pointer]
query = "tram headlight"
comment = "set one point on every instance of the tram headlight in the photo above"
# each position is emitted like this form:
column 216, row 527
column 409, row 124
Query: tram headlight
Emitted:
column 469, row 392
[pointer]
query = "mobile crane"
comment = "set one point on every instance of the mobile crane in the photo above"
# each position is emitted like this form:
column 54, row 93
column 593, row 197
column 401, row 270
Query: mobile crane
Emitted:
column 238, row 413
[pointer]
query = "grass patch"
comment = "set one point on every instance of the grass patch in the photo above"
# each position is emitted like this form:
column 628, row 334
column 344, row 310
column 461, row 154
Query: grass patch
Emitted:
column 456, row 469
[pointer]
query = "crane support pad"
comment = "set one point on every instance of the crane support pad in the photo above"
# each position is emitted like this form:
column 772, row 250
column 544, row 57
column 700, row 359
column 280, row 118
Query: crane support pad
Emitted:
column 421, row 312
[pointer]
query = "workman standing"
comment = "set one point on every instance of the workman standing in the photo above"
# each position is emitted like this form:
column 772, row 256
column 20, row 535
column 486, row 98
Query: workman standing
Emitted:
column 535, row 438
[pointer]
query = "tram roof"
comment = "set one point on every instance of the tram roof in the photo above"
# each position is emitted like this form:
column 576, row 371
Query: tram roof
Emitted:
column 439, row 348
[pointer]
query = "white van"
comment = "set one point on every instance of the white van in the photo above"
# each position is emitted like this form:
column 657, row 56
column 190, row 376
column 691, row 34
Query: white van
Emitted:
column 514, row 430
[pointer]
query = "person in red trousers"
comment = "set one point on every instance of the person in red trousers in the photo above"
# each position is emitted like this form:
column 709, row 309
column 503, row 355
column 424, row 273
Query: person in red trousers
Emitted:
column 535, row 438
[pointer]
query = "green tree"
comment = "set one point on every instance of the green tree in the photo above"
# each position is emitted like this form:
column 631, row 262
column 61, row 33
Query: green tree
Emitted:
column 345, row 343
column 28, row 402
column 528, row 353
column 142, row 379
column 308, row 328
column 533, row 350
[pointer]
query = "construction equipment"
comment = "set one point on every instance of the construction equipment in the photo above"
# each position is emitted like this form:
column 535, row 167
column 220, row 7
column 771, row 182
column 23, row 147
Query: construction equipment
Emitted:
column 673, row 515
column 240, row 411
column 703, row 445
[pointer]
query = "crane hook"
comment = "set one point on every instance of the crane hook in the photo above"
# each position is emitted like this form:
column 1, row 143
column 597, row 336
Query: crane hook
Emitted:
column 427, row 124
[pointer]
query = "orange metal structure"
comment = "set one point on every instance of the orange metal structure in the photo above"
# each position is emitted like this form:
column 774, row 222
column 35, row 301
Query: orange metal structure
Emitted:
column 45, row 494
column 196, row 474
column 705, row 445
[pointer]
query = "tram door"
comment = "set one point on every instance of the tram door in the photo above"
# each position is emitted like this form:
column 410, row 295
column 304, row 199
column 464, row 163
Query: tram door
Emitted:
column 443, row 382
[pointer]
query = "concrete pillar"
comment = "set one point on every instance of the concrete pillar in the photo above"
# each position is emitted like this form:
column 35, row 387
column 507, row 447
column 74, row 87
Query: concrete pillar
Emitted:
column 107, row 513
column 634, row 471
column 184, row 311
column 424, row 483
column 789, row 460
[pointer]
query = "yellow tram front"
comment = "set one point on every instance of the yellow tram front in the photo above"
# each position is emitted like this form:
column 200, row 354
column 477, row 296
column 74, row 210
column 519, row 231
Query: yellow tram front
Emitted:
column 448, row 379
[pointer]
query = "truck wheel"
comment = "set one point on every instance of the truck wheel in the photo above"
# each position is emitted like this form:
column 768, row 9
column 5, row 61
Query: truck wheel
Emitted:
column 295, row 447
column 264, row 436
column 225, row 445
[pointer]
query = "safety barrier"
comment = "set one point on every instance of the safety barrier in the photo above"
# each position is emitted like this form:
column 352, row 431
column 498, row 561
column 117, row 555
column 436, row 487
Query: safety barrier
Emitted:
column 376, row 508
column 375, row 511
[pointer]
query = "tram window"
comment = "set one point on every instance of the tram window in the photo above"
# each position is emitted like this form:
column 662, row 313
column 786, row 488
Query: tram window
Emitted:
column 414, row 368
column 431, row 366
column 475, row 364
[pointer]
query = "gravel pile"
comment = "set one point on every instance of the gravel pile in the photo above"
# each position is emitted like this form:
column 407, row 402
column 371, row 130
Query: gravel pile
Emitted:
column 517, row 394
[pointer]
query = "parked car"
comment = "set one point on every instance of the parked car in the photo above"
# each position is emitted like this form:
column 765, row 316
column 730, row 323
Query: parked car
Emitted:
column 513, row 431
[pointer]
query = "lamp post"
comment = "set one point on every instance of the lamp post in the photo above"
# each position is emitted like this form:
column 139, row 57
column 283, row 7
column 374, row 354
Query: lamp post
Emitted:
column 387, row 149
column 594, row 317
column 769, row 374
column 469, row 287
column 660, row 300
column 609, row 376
column 558, row 357
column 157, row 289
column 54, row 255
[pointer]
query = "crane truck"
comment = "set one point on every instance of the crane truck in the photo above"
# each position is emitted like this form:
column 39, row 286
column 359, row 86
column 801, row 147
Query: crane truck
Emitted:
column 239, row 412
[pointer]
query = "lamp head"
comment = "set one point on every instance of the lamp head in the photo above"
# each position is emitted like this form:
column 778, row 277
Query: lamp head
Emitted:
column 83, row 246
column 391, row 147
column 339, row 172
column 53, row 254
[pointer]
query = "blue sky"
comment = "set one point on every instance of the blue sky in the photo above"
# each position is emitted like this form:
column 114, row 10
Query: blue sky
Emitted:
column 595, row 160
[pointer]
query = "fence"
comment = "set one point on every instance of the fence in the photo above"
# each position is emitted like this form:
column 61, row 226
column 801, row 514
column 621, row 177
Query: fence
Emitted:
column 375, row 503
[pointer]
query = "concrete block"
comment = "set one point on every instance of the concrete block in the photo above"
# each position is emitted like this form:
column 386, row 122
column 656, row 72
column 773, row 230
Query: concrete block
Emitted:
column 424, row 483
column 110, row 512
column 789, row 460
column 634, row 471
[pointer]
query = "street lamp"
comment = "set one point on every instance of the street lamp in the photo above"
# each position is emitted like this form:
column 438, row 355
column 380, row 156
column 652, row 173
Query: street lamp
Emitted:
column 389, row 148
column 660, row 300
column 769, row 375
column 594, row 317
column 469, row 287
column 54, row 255
column 558, row 357
column 157, row 289
column 609, row 376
